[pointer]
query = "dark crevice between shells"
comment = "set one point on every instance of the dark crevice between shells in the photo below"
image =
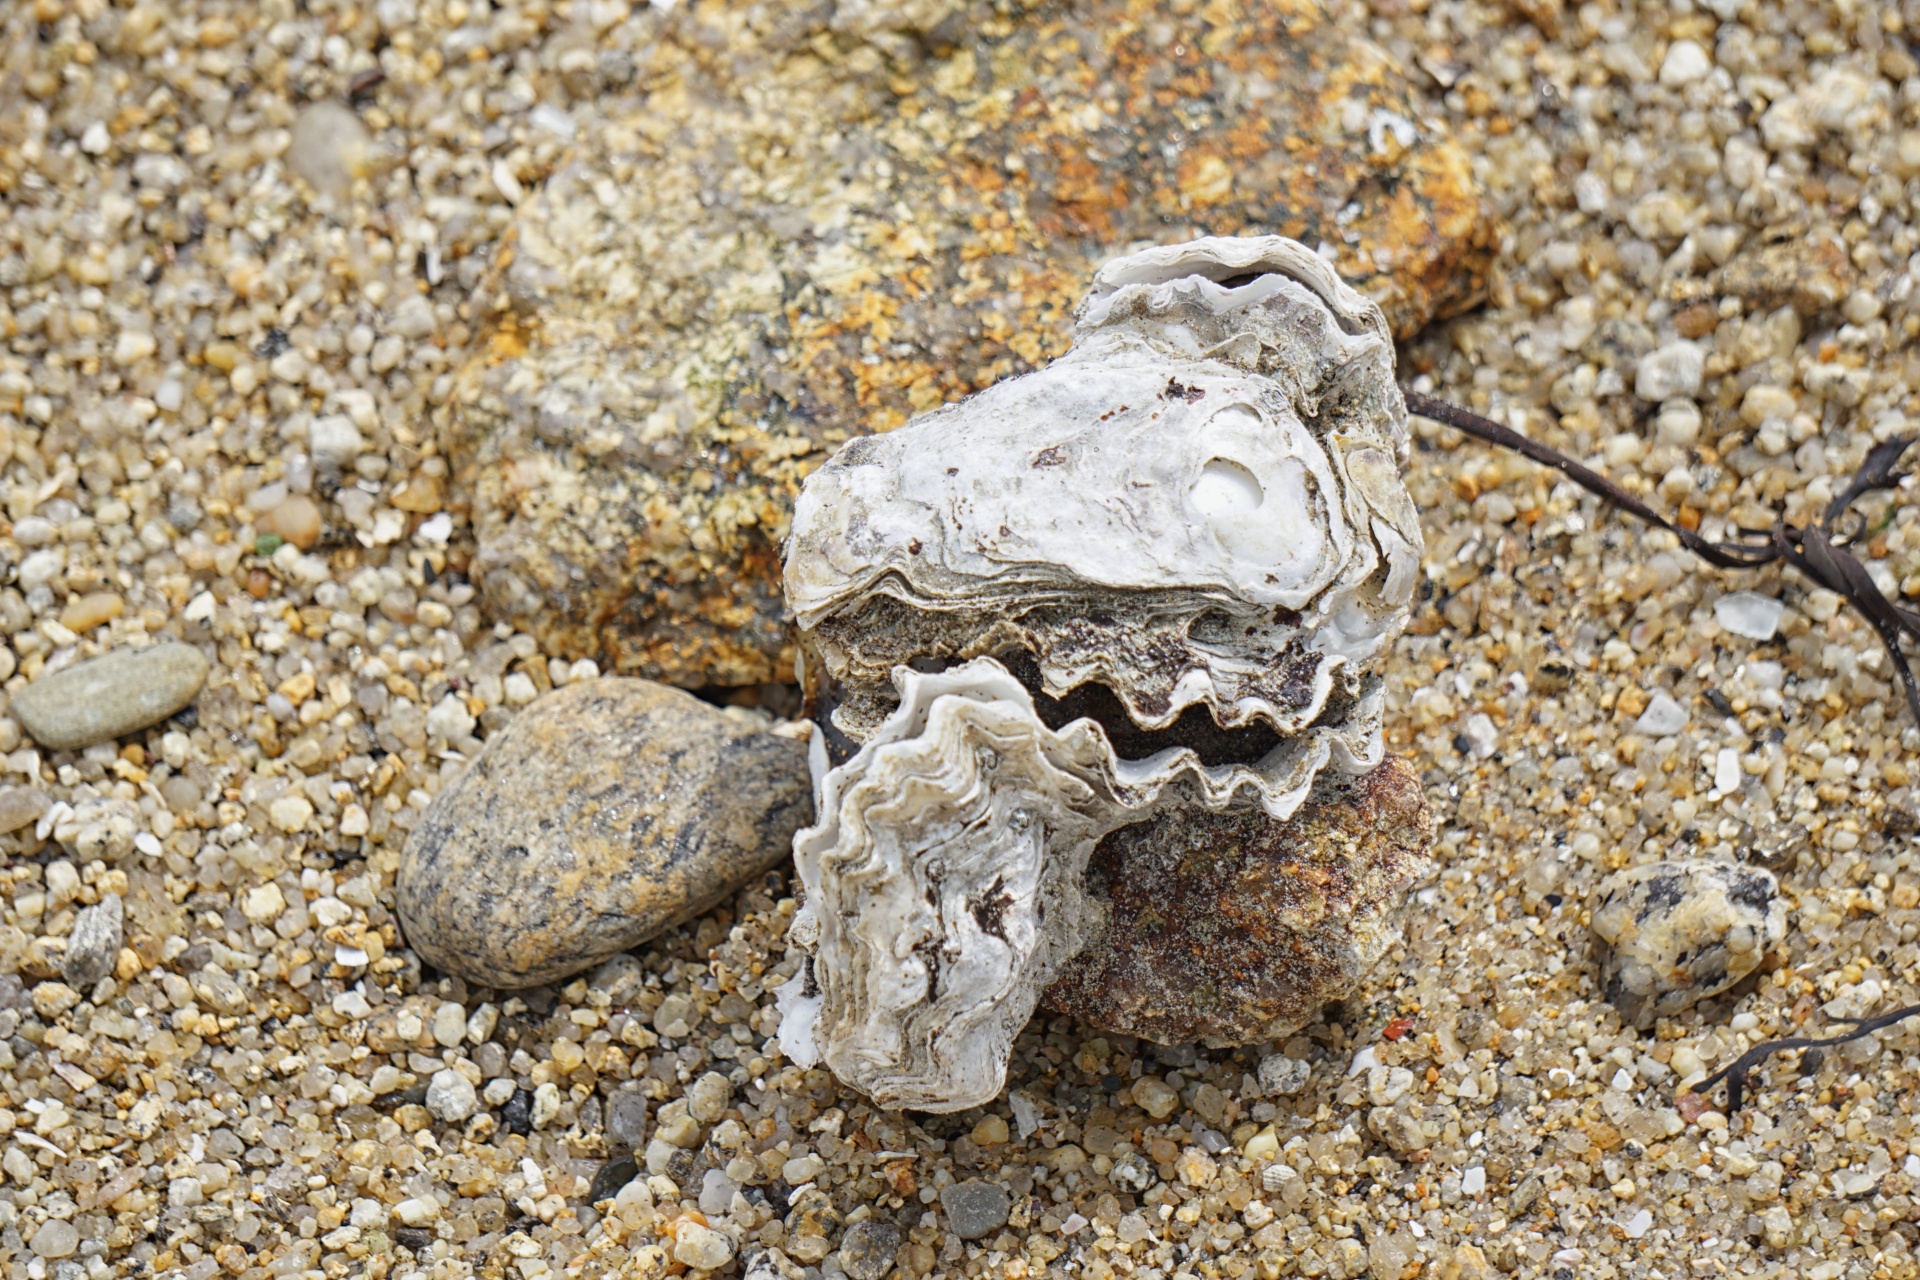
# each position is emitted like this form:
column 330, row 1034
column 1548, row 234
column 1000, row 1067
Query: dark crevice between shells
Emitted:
column 1195, row 727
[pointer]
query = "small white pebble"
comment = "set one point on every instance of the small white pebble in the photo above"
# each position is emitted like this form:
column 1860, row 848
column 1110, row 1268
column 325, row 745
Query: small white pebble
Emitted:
column 291, row 813
column 1685, row 63
column 1073, row 1225
column 1749, row 614
column 417, row 1211
column 506, row 184
column 351, row 1004
column 1726, row 771
column 1365, row 1060
column 1474, row 1180
column 1623, row 1080
column 1638, row 1225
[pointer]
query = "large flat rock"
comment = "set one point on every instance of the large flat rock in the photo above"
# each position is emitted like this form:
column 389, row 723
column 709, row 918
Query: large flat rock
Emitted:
column 809, row 226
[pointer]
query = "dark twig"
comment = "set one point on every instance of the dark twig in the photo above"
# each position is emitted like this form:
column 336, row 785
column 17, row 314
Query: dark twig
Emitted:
column 1820, row 551
column 1736, row 1074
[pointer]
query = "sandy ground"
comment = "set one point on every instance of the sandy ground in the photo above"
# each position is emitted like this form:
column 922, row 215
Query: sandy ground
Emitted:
column 214, row 336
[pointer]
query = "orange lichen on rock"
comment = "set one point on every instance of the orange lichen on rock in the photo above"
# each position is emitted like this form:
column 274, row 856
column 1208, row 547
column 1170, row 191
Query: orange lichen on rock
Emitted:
column 827, row 232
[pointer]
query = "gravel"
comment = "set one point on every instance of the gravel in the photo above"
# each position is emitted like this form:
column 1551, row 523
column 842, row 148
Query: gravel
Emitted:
column 209, row 1108
column 975, row 1208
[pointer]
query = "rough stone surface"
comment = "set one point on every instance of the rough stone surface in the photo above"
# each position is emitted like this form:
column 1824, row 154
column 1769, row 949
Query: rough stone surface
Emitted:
column 868, row 1249
column 975, row 1208
column 94, row 943
column 1669, row 934
column 778, row 250
column 606, row 812
column 107, row 696
column 1231, row 927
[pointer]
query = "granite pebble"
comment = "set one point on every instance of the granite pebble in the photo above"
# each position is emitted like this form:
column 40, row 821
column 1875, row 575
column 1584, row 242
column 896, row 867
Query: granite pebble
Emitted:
column 1669, row 934
column 607, row 812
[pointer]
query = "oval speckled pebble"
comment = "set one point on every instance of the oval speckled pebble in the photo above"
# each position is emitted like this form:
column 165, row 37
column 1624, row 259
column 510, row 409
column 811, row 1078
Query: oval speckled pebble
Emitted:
column 1670, row 934
column 608, row 811
column 104, row 697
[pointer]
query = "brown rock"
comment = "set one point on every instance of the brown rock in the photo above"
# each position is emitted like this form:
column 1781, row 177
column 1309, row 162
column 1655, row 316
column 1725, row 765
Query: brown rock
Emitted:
column 608, row 811
column 1233, row 928
column 831, row 229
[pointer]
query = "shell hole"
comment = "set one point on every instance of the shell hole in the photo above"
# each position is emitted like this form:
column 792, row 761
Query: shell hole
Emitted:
column 1226, row 488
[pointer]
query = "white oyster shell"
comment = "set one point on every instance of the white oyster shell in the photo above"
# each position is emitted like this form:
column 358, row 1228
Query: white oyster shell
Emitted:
column 1191, row 526
column 1199, row 504
column 943, row 882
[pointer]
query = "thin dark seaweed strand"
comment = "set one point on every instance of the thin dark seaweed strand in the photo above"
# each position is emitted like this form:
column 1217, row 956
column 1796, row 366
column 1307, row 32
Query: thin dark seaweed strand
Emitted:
column 1819, row 551
column 1736, row 1074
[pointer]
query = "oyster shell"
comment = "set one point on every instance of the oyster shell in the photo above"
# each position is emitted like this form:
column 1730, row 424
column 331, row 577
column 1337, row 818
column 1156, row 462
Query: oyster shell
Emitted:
column 1199, row 504
column 1155, row 573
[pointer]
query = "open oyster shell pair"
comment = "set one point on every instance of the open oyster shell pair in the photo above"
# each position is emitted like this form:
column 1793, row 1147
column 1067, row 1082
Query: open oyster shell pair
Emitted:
column 1155, row 574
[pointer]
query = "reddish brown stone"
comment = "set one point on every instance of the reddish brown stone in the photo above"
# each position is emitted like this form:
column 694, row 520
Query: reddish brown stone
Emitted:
column 1232, row 928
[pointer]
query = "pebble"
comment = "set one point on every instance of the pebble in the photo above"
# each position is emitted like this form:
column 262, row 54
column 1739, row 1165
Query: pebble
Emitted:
column 22, row 807
column 94, row 944
column 105, row 697
column 1280, row 1075
column 1685, row 63
column 701, row 1248
column 613, row 1175
column 1669, row 934
column 1232, row 928
column 55, row 1239
column 868, row 1249
column 295, row 518
column 83, row 613
column 328, row 147
column 975, row 1208
column 627, row 1120
column 1749, row 614
column 1671, row 371
column 1151, row 1095
column 450, row 1096
column 1662, row 718
column 606, row 812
